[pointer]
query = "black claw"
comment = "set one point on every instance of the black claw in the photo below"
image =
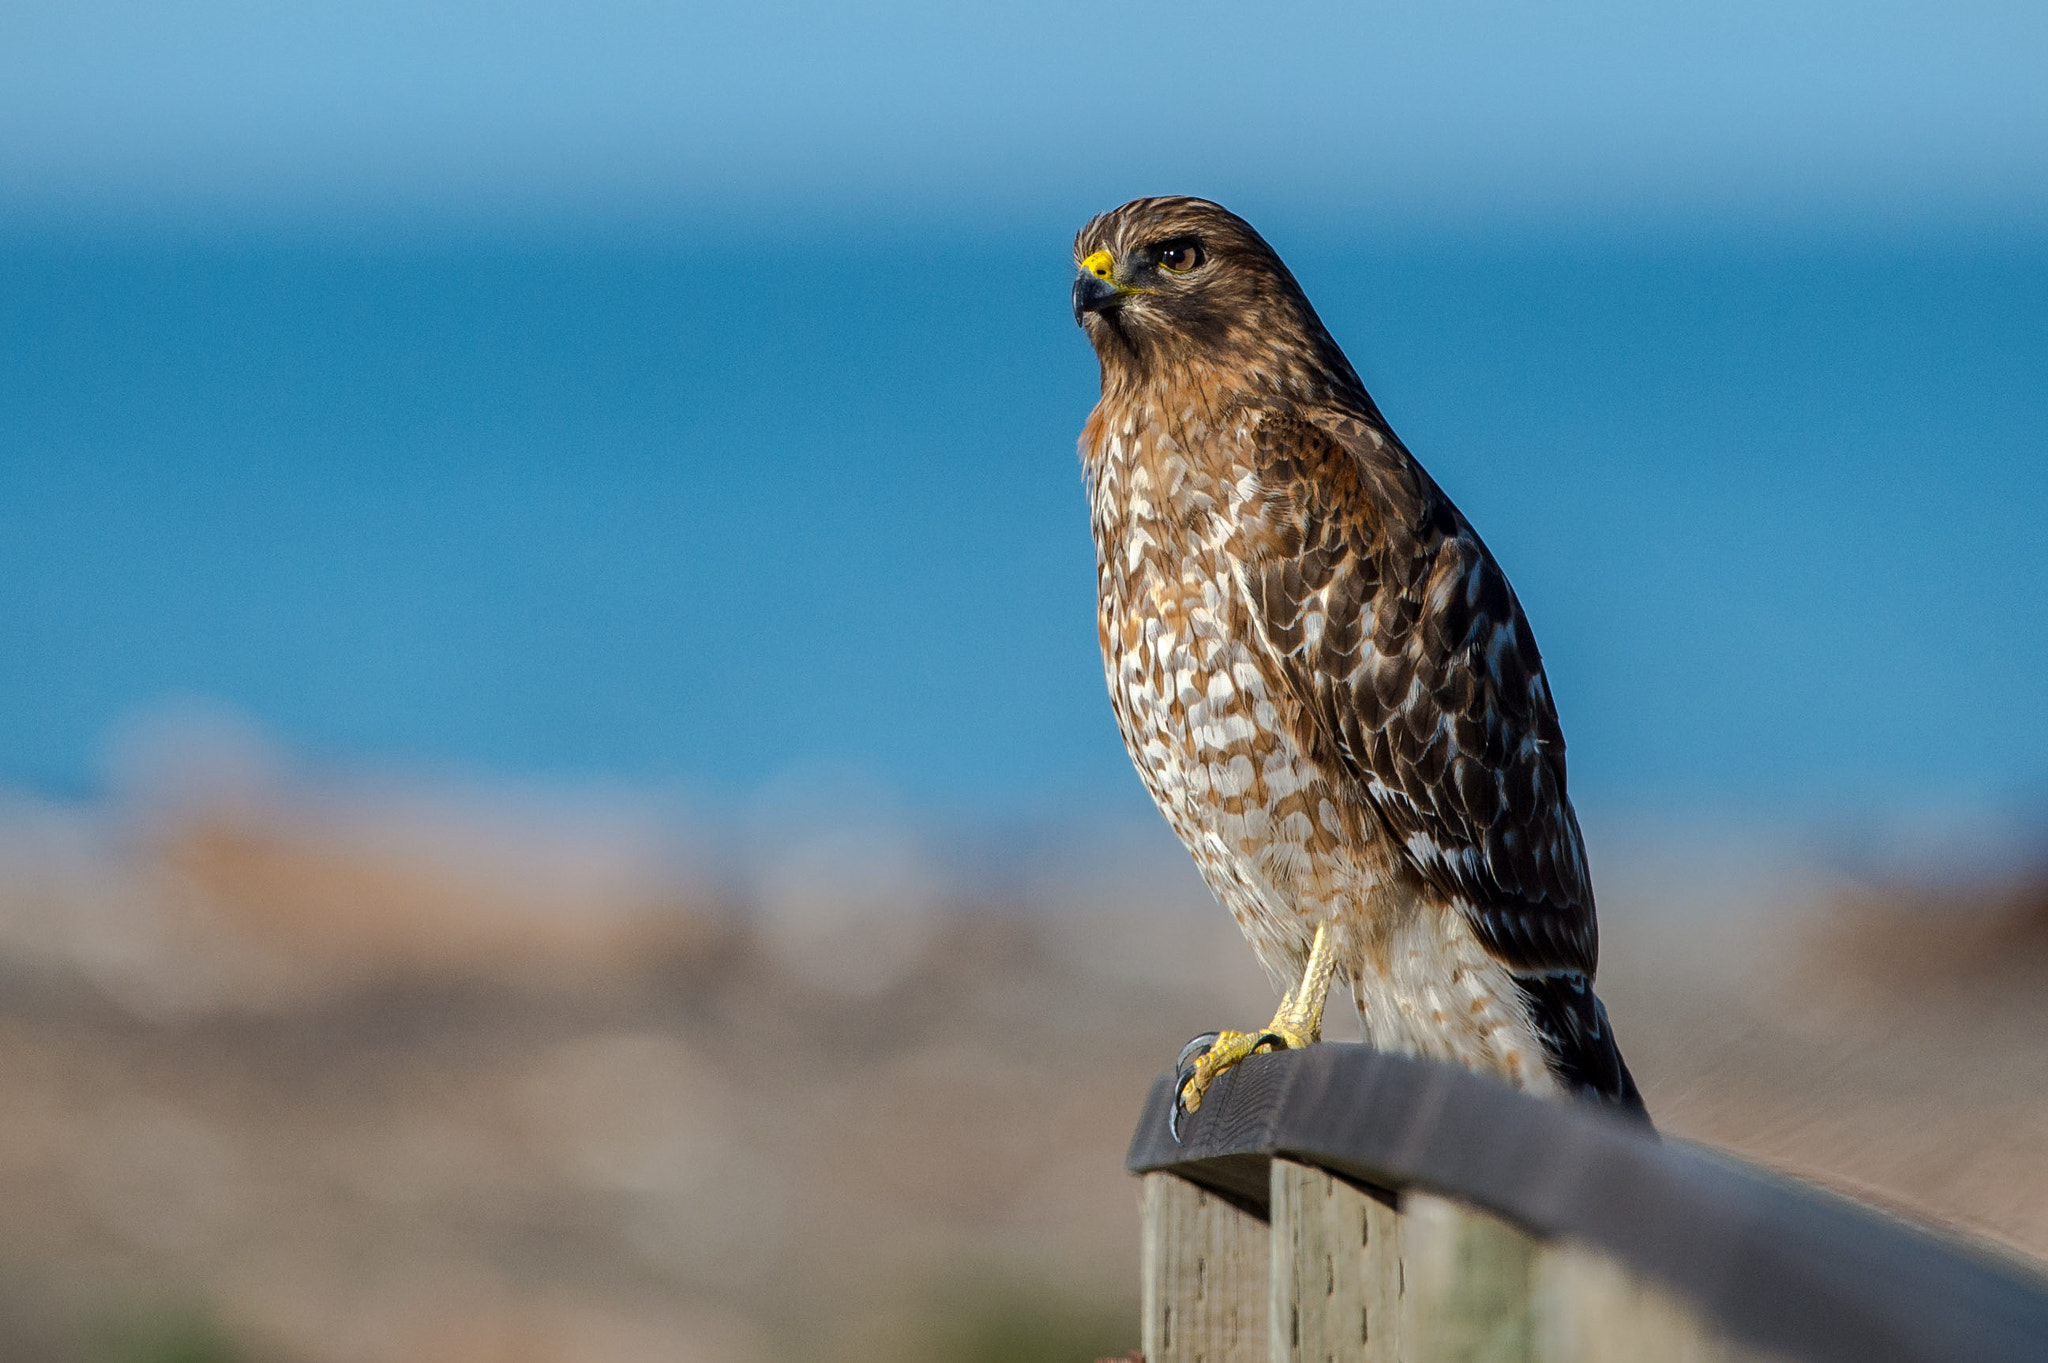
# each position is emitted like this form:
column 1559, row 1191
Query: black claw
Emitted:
column 1183, row 1073
column 1195, row 1050
column 1277, row 1041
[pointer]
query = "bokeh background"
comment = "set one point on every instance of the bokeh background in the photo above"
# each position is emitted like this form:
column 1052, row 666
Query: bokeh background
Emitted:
column 558, row 802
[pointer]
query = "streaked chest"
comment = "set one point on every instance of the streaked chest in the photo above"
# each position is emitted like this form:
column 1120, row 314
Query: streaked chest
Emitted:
column 1206, row 720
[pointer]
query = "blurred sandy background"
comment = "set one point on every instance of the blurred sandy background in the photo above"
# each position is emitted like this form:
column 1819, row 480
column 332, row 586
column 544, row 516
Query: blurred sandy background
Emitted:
column 348, row 1068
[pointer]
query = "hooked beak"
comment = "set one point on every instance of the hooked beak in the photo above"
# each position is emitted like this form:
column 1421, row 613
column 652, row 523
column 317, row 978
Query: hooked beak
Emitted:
column 1093, row 295
column 1095, row 287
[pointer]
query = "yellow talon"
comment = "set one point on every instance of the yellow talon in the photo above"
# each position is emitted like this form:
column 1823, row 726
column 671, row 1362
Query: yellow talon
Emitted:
column 1298, row 1023
column 1227, row 1051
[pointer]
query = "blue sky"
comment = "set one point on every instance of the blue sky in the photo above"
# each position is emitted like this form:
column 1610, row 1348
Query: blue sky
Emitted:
column 687, row 397
column 427, row 110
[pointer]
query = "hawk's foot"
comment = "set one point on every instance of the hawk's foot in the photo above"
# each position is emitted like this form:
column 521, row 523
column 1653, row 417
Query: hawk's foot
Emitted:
column 1211, row 1053
column 1298, row 1023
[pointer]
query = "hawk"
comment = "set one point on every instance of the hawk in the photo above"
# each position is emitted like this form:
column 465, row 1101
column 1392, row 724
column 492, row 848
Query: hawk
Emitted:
column 1322, row 675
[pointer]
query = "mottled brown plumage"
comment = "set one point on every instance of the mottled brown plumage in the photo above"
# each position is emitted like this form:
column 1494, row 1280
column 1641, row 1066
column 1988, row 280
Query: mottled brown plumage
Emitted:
column 1319, row 670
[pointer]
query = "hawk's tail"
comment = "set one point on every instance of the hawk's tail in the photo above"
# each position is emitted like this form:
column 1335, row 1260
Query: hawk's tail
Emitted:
column 1573, row 1024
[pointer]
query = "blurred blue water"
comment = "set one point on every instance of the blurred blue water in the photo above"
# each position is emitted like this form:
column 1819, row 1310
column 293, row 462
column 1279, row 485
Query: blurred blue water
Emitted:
column 677, row 510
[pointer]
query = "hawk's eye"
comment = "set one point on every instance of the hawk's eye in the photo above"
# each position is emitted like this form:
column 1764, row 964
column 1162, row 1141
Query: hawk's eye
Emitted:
column 1180, row 256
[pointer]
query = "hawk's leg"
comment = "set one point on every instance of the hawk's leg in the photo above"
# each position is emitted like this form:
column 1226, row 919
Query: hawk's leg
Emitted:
column 1298, row 1023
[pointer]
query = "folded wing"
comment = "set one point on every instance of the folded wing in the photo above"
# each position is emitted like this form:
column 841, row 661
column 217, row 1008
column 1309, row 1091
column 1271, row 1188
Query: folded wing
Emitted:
column 1395, row 626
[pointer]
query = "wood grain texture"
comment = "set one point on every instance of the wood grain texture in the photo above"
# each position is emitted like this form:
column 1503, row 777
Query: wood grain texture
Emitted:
column 1336, row 1269
column 1204, row 1264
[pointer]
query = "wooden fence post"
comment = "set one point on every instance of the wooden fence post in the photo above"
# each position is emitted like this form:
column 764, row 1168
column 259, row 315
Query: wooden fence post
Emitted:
column 1336, row 1270
column 1597, row 1243
column 1435, row 1282
column 1204, row 1276
column 1467, row 1285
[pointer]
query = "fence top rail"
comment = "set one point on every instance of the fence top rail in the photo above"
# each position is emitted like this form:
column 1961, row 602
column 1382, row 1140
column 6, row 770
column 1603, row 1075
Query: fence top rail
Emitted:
column 1780, row 1265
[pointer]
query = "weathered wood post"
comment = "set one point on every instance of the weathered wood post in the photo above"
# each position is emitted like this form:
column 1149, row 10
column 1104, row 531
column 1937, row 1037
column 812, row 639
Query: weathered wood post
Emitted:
column 1337, row 1204
column 1340, row 1274
column 1204, row 1286
column 1335, row 1276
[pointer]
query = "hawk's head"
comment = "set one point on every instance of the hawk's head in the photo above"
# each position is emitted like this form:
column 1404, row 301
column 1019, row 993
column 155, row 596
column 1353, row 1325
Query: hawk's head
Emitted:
column 1163, row 282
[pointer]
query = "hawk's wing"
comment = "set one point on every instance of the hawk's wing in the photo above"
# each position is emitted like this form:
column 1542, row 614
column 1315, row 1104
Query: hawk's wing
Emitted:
column 1400, row 632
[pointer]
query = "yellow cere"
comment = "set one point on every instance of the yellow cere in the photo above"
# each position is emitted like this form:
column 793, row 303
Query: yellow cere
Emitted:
column 1099, row 265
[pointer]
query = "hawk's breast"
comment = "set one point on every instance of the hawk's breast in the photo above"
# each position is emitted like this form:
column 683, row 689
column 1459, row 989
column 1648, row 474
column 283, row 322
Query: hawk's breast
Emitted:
column 1210, row 727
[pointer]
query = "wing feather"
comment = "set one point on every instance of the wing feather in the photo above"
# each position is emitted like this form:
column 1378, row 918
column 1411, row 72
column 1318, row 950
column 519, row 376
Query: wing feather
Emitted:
column 1397, row 631
column 1397, row 627
column 1401, row 637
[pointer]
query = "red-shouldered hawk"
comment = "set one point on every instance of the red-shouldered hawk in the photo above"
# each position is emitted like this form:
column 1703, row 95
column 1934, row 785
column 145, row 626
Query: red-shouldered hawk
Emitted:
column 1323, row 676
